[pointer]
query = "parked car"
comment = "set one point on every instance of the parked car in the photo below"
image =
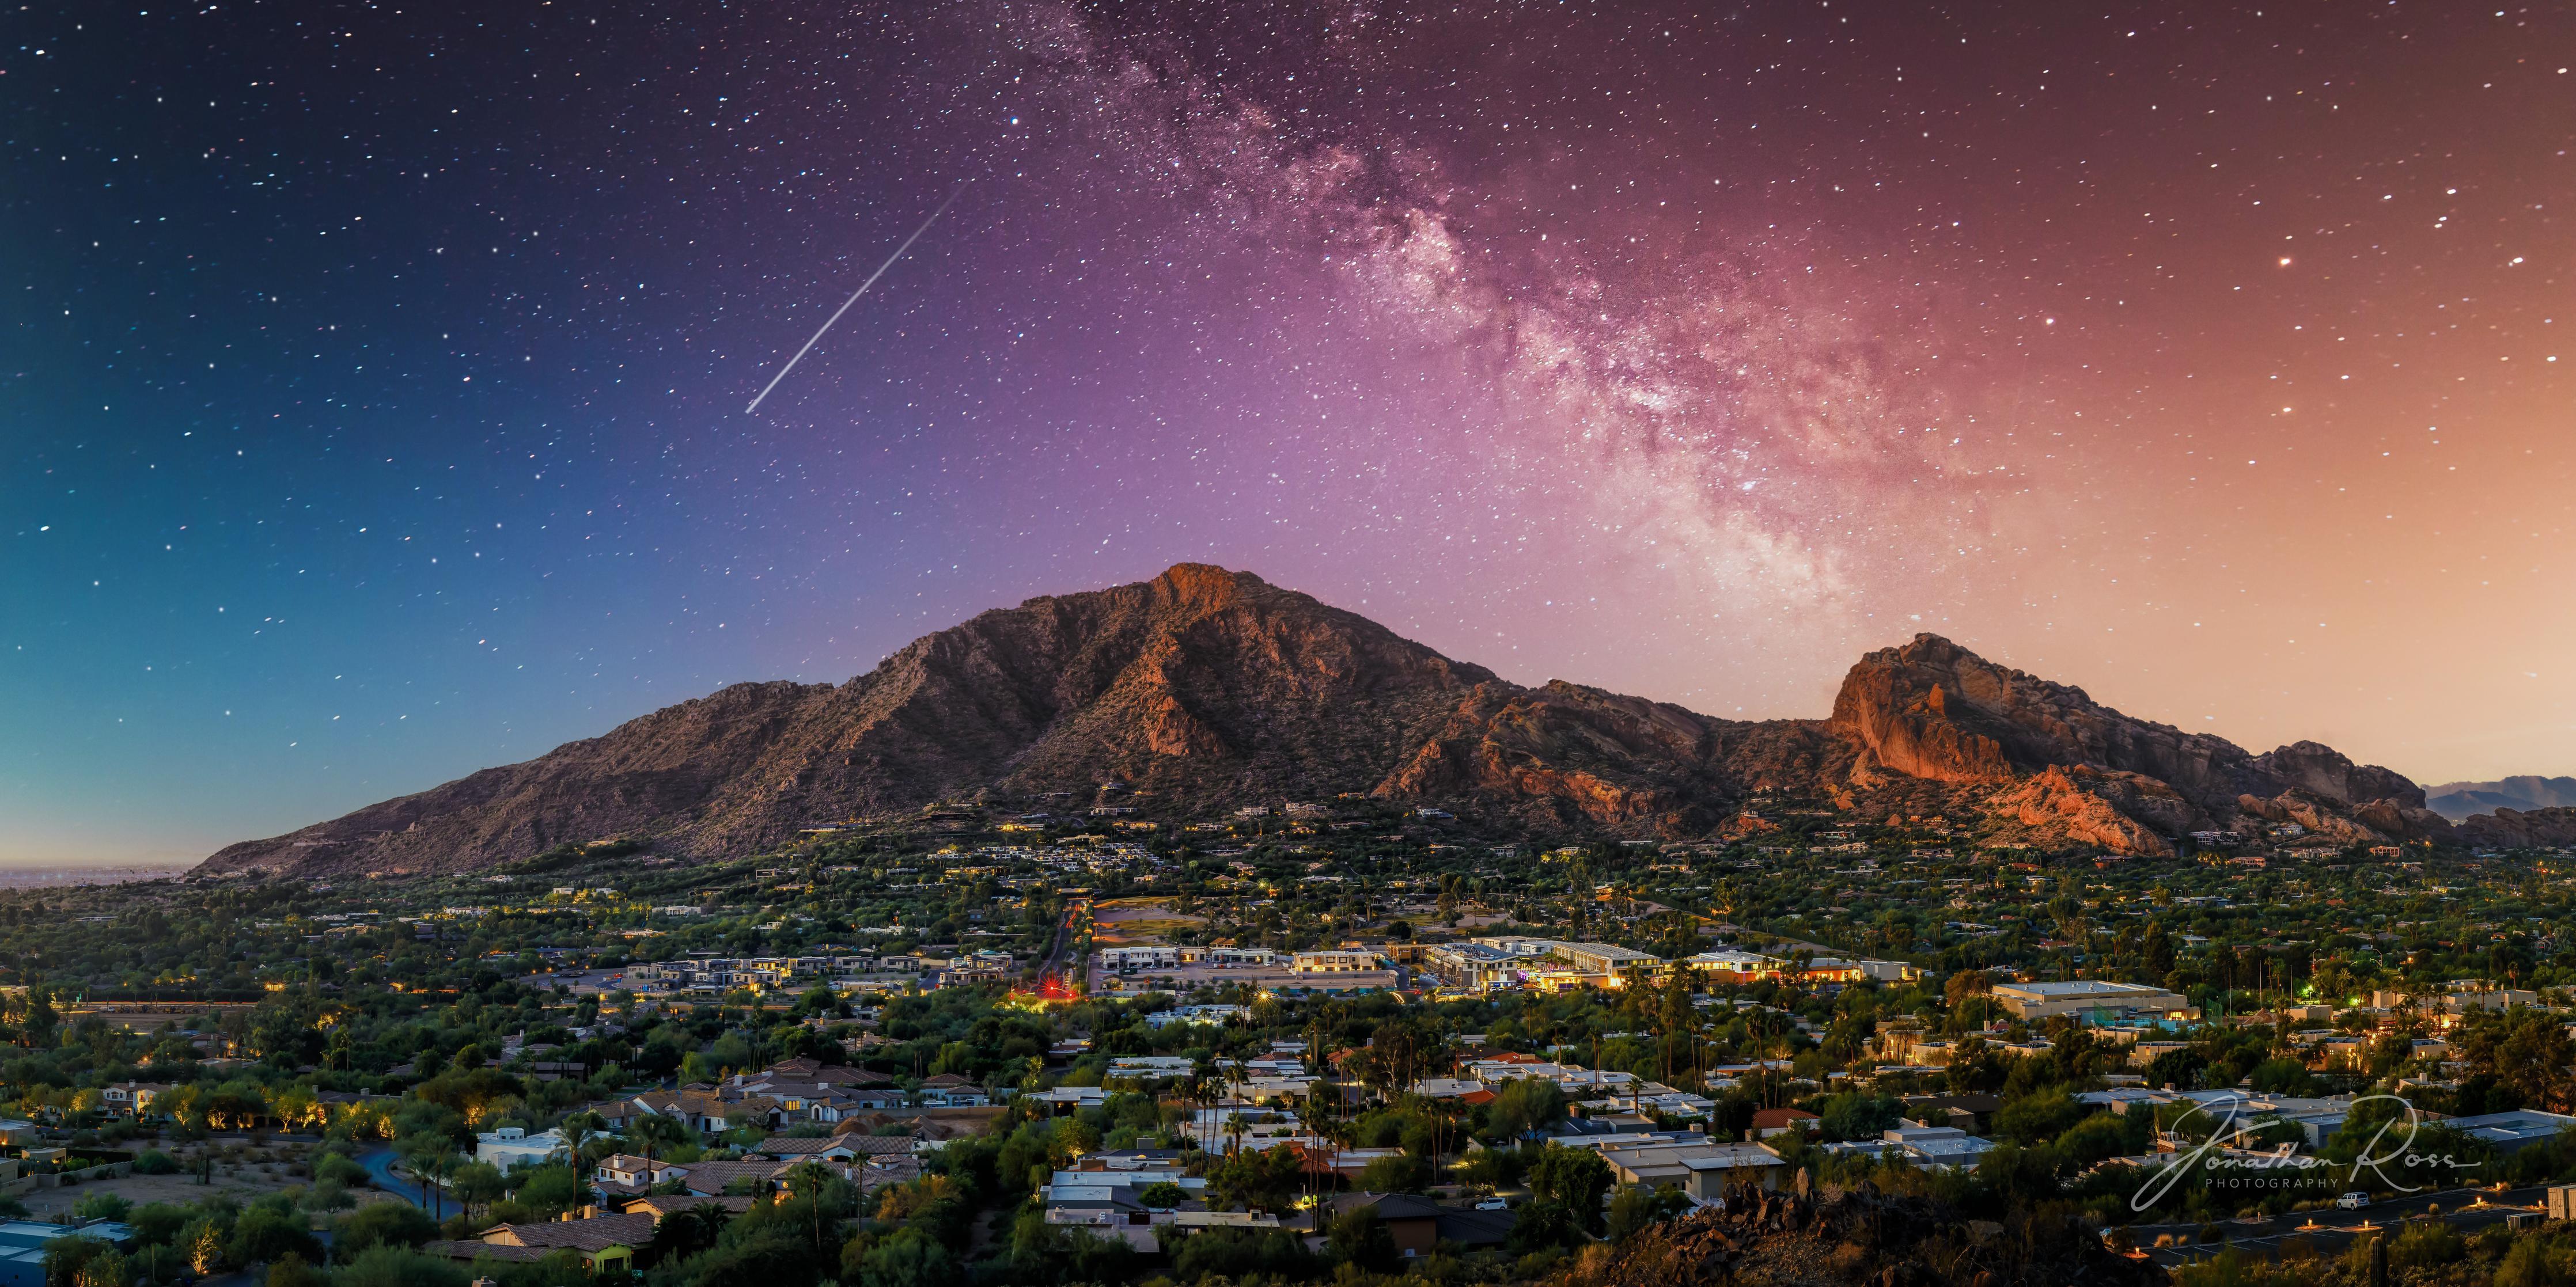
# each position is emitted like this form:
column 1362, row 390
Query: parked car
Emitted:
column 2353, row 1201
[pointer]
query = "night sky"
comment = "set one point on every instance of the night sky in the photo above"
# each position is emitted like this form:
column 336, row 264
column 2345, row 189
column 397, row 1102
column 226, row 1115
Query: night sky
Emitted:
column 372, row 376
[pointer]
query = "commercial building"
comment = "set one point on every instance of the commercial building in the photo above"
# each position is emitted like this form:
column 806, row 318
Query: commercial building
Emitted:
column 2096, row 1000
column 1128, row 960
column 1475, row 967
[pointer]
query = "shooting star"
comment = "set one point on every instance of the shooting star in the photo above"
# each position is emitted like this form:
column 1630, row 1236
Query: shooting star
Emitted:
column 854, row 297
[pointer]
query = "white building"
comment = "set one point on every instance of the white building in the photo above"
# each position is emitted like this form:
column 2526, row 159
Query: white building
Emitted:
column 2098, row 997
column 513, row 1146
column 1127, row 960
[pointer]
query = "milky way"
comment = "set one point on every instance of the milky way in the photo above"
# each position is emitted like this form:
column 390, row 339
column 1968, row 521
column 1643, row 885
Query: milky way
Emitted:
column 373, row 409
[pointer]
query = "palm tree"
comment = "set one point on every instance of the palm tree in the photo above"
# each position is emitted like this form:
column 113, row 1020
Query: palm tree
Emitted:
column 807, row 1182
column 652, row 1132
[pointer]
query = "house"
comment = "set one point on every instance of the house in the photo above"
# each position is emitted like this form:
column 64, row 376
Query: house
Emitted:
column 701, row 1108
column 1696, row 1165
column 862, row 1147
column 1937, row 1147
column 133, row 1099
column 2511, row 1132
column 630, row 1173
column 1063, row 1100
column 1100, row 1190
column 948, row 1090
column 1413, row 1222
column 659, row 1205
column 1972, row 1113
column 23, row 1243
column 1768, row 1122
column 1147, row 1067
column 820, row 1092
column 604, row 1243
column 792, row 1149
column 717, row 1179
column 925, row 1128
column 513, row 1146
column 834, row 1103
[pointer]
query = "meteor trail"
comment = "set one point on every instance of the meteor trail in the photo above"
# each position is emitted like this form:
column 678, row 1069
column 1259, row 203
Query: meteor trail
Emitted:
column 854, row 297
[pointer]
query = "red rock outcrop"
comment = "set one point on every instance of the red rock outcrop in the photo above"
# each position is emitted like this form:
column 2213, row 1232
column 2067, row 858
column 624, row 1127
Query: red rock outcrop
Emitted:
column 2516, row 828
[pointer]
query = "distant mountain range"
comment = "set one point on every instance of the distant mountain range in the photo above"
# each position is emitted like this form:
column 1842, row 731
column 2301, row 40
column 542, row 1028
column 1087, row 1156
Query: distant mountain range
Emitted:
column 1204, row 689
column 2459, row 801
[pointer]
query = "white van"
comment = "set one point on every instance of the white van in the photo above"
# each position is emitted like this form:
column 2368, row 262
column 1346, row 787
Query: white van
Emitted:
column 2353, row 1201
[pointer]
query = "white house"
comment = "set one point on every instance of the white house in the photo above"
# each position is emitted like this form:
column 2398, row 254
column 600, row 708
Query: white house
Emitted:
column 513, row 1146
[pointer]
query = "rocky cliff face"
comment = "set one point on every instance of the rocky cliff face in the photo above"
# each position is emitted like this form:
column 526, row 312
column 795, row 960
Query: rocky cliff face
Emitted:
column 2515, row 828
column 1931, row 709
column 1211, row 688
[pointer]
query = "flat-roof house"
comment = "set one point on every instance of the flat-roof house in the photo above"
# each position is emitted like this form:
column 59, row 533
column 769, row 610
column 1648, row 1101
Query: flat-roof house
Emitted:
column 2099, row 999
column 513, row 1146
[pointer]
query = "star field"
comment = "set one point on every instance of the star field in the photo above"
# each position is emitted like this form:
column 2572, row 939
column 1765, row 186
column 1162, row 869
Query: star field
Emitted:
column 371, row 407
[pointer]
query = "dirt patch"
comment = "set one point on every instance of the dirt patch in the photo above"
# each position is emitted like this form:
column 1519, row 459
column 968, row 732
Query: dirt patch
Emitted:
column 242, row 1184
column 1138, row 921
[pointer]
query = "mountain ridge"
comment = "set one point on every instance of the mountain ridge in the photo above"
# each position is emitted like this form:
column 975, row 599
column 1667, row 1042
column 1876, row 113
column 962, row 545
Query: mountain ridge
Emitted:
column 2460, row 801
column 1211, row 688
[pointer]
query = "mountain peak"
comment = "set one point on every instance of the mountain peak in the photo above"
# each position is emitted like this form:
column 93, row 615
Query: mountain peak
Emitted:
column 1205, row 585
column 1213, row 688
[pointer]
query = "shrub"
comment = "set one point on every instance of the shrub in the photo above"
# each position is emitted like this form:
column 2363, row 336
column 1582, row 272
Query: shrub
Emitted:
column 153, row 1161
column 399, row 1267
column 291, row 1270
column 102, row 1206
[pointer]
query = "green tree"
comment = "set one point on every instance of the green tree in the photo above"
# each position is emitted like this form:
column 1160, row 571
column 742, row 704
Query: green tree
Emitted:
column 1524, row 1105
column 1270, row 1180
column 1572, row 1178
column 910, row 1257
column 1402, row 1173
column 685, row 1233
column 383, row 1224
column 1358, row 1237
column 391, row 1266
column 101, row 1206
column 478, row 1184
column 1637, row 1207
column 265, row 1233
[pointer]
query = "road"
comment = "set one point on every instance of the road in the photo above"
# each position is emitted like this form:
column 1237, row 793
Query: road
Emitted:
column 2467, row 1210
column 380, row 1167
column 1054, row 962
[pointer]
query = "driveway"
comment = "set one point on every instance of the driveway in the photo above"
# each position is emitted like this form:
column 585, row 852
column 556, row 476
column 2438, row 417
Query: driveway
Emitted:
column 381, row 1167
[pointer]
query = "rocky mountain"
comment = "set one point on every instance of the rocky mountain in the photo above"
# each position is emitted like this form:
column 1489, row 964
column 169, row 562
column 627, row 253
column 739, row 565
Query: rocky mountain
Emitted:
column 2459, row 801
column 1204, row 689
column 2518, row 829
